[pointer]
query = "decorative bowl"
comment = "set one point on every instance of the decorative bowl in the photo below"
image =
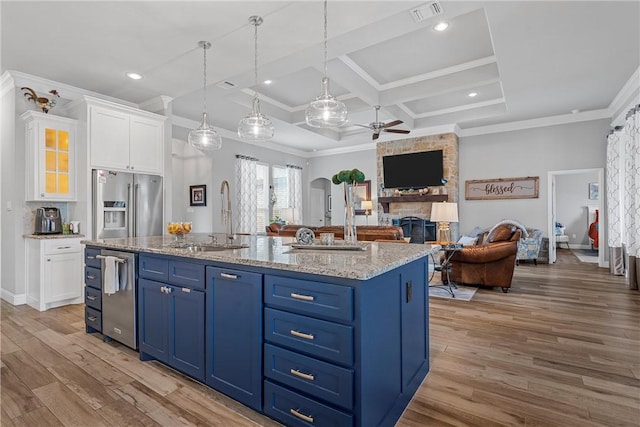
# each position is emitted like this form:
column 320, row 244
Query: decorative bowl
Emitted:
column 178, row 228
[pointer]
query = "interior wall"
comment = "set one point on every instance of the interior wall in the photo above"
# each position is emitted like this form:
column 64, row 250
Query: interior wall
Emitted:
column 327, row 166
column 193, row 167
column 527, row 152
column 572, row 202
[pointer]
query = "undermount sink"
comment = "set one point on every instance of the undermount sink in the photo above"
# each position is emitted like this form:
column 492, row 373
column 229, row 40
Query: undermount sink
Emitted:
column 214, row 247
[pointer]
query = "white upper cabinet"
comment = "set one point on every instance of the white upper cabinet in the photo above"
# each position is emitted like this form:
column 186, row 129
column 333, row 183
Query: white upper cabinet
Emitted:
column 126, row 139
column 50, row 155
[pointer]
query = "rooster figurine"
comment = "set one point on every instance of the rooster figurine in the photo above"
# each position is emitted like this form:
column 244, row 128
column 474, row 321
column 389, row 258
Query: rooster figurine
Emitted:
column 44, row 103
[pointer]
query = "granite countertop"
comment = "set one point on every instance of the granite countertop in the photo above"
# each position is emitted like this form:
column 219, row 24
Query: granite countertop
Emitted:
column 52, row 236
column 276, row 253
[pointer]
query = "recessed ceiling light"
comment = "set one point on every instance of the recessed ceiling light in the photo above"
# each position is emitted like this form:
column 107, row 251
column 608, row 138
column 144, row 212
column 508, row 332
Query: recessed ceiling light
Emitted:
column 441, row 26
column 575, row 111
column 267, row 82
column 134, row 76
column 472, row 94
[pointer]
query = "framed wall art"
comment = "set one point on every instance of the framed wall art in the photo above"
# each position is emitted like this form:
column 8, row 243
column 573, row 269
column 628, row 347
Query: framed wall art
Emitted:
column 363, row 192
column 198, row 195
column 594, row 191
column 502, row 188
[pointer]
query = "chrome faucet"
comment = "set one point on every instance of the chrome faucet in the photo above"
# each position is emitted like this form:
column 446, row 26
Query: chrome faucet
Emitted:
column 226, row 212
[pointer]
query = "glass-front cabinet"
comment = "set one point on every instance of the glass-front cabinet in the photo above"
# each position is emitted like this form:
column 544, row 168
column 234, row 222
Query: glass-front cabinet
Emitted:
column 50, row 157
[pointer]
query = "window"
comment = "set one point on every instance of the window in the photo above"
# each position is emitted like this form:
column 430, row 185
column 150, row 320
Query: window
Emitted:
column 287, row 186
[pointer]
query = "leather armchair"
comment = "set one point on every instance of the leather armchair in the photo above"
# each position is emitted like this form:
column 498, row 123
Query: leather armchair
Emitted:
column 489, row 264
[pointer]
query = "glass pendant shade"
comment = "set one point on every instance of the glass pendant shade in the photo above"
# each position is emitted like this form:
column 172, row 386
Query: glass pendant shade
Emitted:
column 326, row 110
column 255, row 126
column 205, row 137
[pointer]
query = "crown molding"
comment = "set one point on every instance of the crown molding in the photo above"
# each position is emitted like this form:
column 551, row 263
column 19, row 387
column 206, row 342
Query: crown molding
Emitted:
column 537, row 123
column 627, row 98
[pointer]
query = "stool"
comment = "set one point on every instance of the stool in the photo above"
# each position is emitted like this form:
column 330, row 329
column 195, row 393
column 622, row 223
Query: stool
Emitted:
column 562, row 239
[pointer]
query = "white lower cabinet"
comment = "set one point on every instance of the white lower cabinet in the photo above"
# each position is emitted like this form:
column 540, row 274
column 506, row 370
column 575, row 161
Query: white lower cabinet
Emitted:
column 54, row 272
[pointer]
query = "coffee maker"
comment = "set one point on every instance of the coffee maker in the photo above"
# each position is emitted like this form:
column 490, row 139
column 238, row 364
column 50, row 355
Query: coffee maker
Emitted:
column 48, row 221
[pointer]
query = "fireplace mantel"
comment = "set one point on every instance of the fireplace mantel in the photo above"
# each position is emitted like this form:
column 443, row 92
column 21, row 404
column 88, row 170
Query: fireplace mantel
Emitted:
column 425, row 198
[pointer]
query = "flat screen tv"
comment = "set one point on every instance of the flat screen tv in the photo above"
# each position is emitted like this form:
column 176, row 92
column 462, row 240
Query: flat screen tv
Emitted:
column 413, row 170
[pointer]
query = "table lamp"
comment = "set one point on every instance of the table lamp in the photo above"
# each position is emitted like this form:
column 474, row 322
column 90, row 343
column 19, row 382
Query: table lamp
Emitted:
column 444, row 214
column 367, row 205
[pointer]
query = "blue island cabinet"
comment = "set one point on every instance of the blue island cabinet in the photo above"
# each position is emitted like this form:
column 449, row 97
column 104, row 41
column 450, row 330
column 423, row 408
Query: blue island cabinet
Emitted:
column 342, row 352
column 171, row 314
column 234, row 334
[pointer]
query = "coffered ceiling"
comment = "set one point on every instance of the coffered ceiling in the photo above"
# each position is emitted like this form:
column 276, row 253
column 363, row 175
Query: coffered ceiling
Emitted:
column 524, row 60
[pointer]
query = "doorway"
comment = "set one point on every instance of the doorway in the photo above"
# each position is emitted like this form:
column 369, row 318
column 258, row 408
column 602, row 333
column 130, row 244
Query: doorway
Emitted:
column 571, row 202
column 320, row 202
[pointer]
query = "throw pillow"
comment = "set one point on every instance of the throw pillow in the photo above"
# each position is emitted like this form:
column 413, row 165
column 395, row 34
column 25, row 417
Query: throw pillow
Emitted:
column 467, row 240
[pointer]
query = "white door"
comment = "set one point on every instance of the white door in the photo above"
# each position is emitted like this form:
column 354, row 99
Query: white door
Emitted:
column 316, row 204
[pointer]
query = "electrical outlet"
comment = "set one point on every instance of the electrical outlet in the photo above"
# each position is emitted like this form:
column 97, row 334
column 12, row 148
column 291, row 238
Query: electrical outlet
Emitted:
column 573, row 236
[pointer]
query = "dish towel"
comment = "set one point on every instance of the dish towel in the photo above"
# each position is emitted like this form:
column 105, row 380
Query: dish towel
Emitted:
column 111, row 277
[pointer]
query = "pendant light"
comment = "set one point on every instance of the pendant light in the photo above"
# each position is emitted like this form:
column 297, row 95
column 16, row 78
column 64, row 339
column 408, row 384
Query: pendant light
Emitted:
column 326, row 111
column 256, row 126
column 205, row 137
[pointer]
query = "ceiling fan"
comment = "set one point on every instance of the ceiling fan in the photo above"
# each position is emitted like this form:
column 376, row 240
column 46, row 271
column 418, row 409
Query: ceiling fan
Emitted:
column 378, row 127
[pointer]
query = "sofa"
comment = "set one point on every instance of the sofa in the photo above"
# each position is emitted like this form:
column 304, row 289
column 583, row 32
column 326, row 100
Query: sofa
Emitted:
column 365, row 232
column 488, row 264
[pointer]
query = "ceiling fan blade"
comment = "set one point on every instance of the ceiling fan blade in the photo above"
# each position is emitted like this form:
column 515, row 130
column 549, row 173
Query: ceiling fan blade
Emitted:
column 393, row 123
column 397, row 130
column 375, row 136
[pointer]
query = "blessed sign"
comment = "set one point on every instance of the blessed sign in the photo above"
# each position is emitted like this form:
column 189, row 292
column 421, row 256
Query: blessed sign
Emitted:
column 503, row 188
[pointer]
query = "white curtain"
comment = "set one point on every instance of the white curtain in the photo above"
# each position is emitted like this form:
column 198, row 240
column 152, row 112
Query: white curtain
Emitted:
column 295, row 192
column 623, row 198
column 246, row 195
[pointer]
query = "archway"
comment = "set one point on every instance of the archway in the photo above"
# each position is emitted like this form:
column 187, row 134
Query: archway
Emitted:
column 320, row 202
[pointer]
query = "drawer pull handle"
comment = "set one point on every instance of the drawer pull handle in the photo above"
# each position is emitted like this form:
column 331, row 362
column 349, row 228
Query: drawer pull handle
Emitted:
column 91, row 298
column 90, row 276
column 91, row 257
column 302, row 297
column 301, row 334
column 300, row 415
column 302, row 374
column 63, row 247
column 186, row 290
column 92, row 318
column 228, row 276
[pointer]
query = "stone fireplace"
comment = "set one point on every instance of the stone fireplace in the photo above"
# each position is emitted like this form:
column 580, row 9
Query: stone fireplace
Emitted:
column 421, row 208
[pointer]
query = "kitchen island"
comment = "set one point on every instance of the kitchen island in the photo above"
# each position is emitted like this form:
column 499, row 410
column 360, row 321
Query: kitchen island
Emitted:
column 305, row 336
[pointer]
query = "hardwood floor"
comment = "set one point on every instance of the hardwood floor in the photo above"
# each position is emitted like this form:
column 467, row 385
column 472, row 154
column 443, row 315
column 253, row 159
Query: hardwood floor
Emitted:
column 562, row 348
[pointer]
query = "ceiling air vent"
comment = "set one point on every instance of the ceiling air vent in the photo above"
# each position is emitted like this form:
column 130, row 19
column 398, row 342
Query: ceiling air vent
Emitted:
column 426, row 11
column 225, row 85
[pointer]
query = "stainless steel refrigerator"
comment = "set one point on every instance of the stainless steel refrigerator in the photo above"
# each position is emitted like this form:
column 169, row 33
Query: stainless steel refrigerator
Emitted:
column 126, row 205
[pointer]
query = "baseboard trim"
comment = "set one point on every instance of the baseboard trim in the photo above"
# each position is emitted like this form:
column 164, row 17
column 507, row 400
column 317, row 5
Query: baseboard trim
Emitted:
column 13, row 299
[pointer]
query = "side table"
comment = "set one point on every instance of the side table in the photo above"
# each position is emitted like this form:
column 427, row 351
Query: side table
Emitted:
column 445, row 266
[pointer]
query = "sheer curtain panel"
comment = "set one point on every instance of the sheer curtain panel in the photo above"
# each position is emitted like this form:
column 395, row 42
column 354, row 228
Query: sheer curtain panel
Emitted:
column 246, row 195
column 295, row 192
column 623, row 198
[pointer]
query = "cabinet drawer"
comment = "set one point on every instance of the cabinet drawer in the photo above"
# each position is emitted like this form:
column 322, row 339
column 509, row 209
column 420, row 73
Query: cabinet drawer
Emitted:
column 319, row 379
column 62, row 246
column 90, row 259
column 307, row 297
column 317, row 338
column 186, row 274
column 93, row 318
column 294, row 409
column 153, row 268
column 92, row 277
column 93, row 298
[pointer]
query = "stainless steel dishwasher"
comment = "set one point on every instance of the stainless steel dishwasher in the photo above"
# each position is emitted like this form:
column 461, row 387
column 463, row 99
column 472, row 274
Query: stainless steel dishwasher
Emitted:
column 119, row 319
